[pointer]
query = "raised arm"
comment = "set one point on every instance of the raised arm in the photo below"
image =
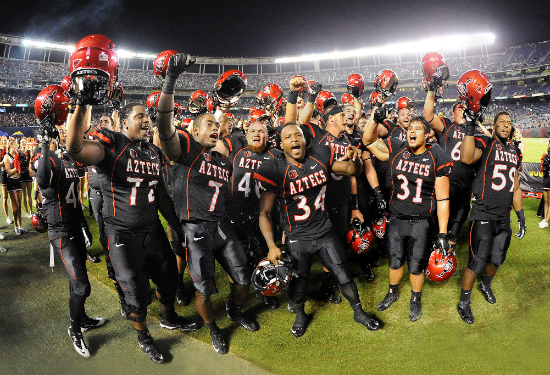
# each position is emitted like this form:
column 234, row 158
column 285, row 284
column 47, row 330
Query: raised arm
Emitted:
column 379, row 149
column 429, row 106
column 469, row 153
column 44, row 171
column 85, row 151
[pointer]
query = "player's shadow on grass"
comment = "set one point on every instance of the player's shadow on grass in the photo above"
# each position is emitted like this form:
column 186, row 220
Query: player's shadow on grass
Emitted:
column 165, row 344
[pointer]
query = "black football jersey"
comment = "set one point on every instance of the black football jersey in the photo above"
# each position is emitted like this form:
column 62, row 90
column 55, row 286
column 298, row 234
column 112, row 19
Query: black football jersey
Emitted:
column 245, row 192
column 93, row 178
column 130, row 172
column 394, row 130
column 202, row 181
column 301, row 192
column 413, row 178
column 61, row 200
column 494, row 180
column 234, row 141
column 450, row 140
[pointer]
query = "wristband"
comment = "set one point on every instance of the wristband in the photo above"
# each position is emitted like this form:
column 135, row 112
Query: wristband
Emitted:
column 311, row 98
column 469, row 129
column 167, row 139
column 35, row 195
column 521, row 215
column 376, row 189
column 169, row 85
column 292, row 97
column 354, row 205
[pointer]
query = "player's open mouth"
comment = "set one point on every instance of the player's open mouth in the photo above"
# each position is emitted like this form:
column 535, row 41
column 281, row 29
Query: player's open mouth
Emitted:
column 412, row 138
column 214, row 136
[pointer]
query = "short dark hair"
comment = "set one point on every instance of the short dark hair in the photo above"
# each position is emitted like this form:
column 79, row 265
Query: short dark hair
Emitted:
column 110, row 118
column 199, row 119
column 423, row 121
column 500, row 114
column 456, row 104
column 125, row 111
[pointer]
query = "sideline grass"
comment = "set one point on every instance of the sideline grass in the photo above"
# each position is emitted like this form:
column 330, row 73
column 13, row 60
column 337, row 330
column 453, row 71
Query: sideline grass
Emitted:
column 509, row 337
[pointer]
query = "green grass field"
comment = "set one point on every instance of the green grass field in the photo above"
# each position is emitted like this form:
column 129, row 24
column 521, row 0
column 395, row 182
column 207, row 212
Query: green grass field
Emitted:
column 509, row 337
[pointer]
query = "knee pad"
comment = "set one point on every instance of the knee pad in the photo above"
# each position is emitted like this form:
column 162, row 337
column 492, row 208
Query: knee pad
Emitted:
column 135, row 310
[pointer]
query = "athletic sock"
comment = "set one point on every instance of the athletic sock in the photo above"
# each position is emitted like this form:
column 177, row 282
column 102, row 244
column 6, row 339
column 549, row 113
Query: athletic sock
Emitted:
column 465, row 295
column 213, row 327
column 487, row 280
column 143, row 335
column 416, row 296
column 394, row 288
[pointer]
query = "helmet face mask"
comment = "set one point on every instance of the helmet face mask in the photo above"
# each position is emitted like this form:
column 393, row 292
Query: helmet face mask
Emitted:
column 197, row 102
column 435, row 69
column 229, row 87
column 356, row 85
column 152, row 105
column 271, row 279
column 386, row 83
column 360, row 238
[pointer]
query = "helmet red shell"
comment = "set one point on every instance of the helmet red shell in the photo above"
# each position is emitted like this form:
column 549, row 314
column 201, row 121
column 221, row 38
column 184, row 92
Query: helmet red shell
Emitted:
column 360, row 241
column 178, row 109
column 53, row 103
column 386, row 82
column 435, row 68
column 324, row 100
column 440, row 268
column 185, row 122
column 405, row 102
column 356, row 84
column 160, row 64
column 270, row 97
column 94, row 68
column 210, row 105
column 153, row 99
column 197, row 102
column 258, row 114
column 39, row 222
column 379, row 227
column 347, row 99
column 373, row 98
column 67, row 84
column 230, row 86
column 474, row 91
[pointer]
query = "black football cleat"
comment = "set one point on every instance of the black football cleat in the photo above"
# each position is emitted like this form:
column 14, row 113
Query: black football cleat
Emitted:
column 291, row 308
column 416, row 311
column 91, row 323
column 300, row 325
column 369, row 275
column 92, row 258
column 269, row 301
column 79, row 344
column 487, row 293
column 218, row 342
column 179, row 322
column 235, row 314
column 150, row 349
column 365, row 319
column 387, row 301
column 465, row 312
column 332, row 296
column 183, row 297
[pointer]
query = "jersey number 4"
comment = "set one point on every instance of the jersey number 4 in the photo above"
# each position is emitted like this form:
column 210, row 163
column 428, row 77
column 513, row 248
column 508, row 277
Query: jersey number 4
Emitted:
column 319, row 204
column 244, row 185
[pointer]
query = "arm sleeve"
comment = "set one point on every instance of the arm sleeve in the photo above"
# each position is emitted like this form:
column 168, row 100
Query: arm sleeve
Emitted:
column 44, row 170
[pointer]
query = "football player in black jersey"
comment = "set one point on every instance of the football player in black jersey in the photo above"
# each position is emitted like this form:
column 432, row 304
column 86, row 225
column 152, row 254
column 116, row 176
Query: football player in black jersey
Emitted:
column 496, row 188
column 420, row 185
column 57, row 177
column 450, row 134
column 299, row 181
column 134, row 191
column 202, row 213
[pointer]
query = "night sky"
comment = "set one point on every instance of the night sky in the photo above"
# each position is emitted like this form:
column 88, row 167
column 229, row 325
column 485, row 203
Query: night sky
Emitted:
column 273, row 28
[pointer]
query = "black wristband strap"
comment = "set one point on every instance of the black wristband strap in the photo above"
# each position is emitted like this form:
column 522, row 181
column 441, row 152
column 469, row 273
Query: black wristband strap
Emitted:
column 167, row 139
column 35, row 195
column 169, row 85
column 74, row 153
column 521, row 215
column 353, row 203
column 293, row 97
column 376, row 189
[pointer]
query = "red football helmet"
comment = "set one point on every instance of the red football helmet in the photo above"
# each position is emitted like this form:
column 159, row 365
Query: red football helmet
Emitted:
column 359, row 238
column 197, row 102
column 185, row 122
column 356, row 85
column 324, row 100
column 435, row 68
column 52, row 105
column 379, row 227
column 405, row 102
column 271, row 279
column 373, row 99
column 474, row 91
column 386, row 82
column 270, row 97
column 438, row 90
column 152, row 104
column 94, row 69
column 440, row 267
column 230, row 86
column 210, row 105
column 258, row 114
column 67, row 84
column 178, row 109
column 231, row 116
column 161, row 63
column 347, row 99
column 39, row 222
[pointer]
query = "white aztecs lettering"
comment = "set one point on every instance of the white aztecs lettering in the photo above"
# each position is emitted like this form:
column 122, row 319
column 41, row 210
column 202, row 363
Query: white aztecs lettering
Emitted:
column 214, row 171
column 143, row 167
column 412, row 167
column 457, row 134
column 301, row 184
column 250, row 163
column 71, row 173
column 506, row 156
column 339, row 150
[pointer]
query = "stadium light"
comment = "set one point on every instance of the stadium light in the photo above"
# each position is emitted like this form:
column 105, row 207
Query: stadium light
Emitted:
column 431, row 44
column 42, row 44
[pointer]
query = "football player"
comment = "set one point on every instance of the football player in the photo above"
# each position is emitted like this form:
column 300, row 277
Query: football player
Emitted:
column 134, row 191
column 496, row 188
column 299, row 181
column 201, row 212
column 57, row 177
column 420, row 185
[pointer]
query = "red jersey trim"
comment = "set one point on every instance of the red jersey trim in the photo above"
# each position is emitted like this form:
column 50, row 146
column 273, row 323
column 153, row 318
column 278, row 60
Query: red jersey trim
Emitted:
column 265, row 179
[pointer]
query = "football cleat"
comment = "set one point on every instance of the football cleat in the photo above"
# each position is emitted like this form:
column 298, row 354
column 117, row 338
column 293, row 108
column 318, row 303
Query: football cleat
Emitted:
column 92, row 258
column 235, row 314
column 387, row 301
column 291, row 307
column 416, row 311
column 465, row 312
column 150, row 349
column 79, row 344
column 23, row 230
column 218, row 342
column 300, row 325
column 182, row 297
column 91, row 323
column 331, row 295
column 179, row 322
column 9, row 221
column 365, row 319
column 487, row 293
column 3, row 249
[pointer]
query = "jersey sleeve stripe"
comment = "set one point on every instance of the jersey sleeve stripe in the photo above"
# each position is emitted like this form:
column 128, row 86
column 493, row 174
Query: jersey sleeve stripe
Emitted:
column 265, row 179
column 481, row 140
column 449, row 164
column 187, row 182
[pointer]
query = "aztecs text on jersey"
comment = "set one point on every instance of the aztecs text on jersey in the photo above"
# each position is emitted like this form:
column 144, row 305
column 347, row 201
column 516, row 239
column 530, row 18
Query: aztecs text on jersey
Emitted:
column 130, row 172
column 202, row 181
column 301, row 191
column 245, row 192
column 494, row 180
column 413, row 178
